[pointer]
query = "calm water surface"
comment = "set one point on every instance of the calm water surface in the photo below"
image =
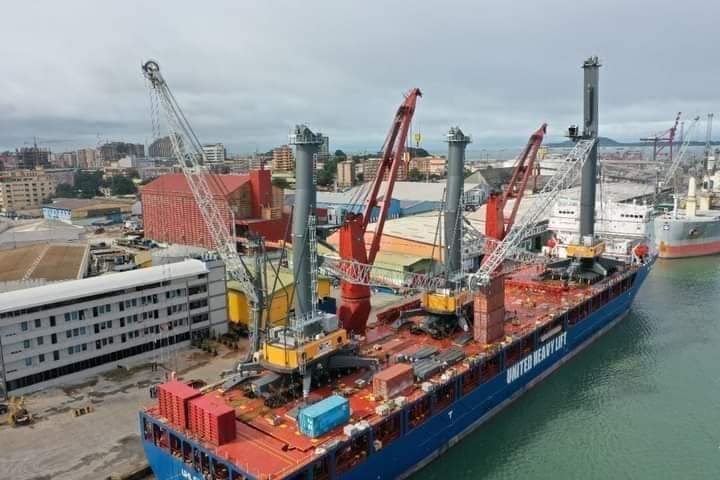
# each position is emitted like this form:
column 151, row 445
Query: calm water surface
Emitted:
column 643, row 402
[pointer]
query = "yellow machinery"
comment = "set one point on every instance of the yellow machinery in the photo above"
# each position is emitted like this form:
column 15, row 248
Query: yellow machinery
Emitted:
column 582, row 251
column 18, row 414
column 278, row 304
column 286, row 356
column 445, row 301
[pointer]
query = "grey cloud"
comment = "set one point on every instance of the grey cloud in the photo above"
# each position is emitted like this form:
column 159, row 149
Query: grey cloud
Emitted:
column 245, row 72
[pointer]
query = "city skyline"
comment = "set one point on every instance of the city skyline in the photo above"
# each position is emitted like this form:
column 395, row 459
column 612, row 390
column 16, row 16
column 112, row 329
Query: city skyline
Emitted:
column 255, row 72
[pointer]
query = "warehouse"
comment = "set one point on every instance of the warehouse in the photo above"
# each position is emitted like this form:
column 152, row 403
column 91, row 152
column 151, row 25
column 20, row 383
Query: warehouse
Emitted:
column 170, row 213
column 279, row 299
column 86, row 211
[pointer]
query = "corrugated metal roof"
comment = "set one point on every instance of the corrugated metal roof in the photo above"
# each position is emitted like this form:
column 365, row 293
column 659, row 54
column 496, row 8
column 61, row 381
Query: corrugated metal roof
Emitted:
column 177, row 183
column 72, row 289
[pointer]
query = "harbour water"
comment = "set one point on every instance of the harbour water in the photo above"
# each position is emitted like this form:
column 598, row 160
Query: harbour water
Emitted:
column 643, row 402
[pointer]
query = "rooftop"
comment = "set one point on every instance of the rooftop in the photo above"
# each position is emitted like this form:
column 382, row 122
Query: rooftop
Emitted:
column 51, row 262
column 73, row 289
column 73, row 203
column 177, row 183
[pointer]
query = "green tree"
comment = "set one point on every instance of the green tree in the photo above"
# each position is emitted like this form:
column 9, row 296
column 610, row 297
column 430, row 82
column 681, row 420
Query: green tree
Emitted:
column 88, row 184
column 280, row 182
column 415, row 175
column 325, row 178
column 122, row 185
column 340, row 154
column 65, row 190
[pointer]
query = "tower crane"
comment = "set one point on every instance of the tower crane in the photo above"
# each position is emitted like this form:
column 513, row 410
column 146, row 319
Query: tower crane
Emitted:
column 218, row 218
column 664, row 139
column 672, row 169
column 496, row 226
column 355, row 297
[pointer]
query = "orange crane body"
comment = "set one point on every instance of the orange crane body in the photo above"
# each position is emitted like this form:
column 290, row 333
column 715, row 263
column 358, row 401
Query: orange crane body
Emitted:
column 354, row 309
column 496, row 226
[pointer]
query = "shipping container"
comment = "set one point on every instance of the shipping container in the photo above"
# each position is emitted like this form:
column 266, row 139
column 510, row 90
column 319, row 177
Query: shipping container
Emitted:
column 173, row 400
column 393, row 380
column 323, row 416
column 212, row 420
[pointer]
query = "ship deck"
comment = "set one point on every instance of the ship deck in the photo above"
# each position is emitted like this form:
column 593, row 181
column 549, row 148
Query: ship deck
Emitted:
column 267, row 449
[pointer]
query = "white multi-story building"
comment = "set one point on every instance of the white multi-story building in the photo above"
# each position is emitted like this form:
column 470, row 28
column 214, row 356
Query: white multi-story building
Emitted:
column 51, row 333
column 214, row 153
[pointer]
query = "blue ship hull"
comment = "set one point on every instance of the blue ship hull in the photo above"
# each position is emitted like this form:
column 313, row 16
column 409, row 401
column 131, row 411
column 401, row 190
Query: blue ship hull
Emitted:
column 420, row 445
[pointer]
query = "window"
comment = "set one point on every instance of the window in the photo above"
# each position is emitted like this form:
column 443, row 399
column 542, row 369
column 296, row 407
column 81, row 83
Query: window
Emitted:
column 123, row 338
column 82, row 330
column 41, row 357
column 104, row 341
column 96, row 328
column 70, row 350
column 122, row 321
column 109, row 324
column 98, row 345
column 52, row 320
column 84, row 347
column 53, row 338
column 56, row 355
column 26, row 343
column 38, row 323
column 24, row 326
column 76, row 332
column 28, row 362
column 110, row 340
column 68, row 333
column 40, row 340
column 67, row 317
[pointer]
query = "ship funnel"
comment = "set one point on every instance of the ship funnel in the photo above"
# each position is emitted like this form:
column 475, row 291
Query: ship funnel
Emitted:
column 457, row 141
column 591, row 68
column 307, row 145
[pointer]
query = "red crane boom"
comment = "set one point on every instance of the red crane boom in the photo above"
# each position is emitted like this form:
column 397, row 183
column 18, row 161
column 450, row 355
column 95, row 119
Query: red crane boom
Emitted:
column 355, row 299
column 495, row 224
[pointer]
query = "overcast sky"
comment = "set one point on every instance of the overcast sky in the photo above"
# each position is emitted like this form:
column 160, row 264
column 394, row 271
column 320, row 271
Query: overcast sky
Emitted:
column 246, row 71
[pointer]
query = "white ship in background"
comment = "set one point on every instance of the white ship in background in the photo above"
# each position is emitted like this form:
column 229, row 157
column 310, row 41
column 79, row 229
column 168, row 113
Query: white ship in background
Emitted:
column 692, row 228
column 621, row 225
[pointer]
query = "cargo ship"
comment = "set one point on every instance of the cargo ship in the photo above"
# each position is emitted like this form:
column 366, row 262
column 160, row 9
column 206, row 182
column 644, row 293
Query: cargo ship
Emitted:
column 329, row 396
column 694, row 230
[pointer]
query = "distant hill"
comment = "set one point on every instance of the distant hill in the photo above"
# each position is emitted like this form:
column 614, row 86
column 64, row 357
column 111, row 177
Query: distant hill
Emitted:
column 604, row 142
column 609, row 142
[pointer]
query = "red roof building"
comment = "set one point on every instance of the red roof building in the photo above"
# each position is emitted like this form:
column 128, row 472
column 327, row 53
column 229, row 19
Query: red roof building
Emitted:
column 171, row 215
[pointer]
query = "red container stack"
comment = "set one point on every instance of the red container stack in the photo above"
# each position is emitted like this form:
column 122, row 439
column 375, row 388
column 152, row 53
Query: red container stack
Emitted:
column 212, row 420
column 393, row 380
column 173, row 399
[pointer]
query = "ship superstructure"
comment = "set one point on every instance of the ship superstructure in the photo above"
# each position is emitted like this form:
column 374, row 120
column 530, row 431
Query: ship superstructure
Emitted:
column 317, row 400
column 695, row 229
column 621, row 225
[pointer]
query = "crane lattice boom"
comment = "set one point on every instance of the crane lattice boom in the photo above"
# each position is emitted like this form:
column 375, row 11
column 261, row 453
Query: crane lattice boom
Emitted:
column 189, row 152
column 563, row 178
column 681, row 154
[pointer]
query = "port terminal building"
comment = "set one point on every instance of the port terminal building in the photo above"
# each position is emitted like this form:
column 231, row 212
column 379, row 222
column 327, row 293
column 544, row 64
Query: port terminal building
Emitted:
column 58, row 332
